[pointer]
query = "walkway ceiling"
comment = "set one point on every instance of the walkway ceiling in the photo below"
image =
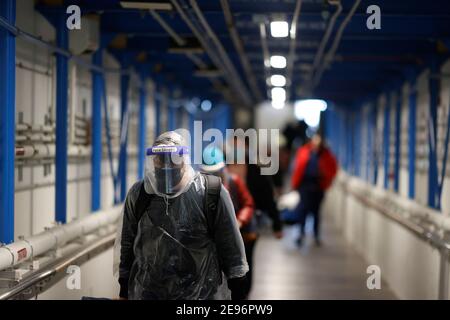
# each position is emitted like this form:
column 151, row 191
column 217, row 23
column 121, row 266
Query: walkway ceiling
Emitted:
column 413, row 31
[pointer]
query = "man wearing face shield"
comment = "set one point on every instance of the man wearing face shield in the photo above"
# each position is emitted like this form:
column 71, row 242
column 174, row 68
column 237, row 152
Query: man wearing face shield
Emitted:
column 179, row 237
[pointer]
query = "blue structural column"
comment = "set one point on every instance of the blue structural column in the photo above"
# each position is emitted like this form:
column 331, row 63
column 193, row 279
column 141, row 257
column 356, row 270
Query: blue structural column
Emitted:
column 191, row 131
column 142, row 126
column 357, row 142
column 398, row 108
column 157, row 97
column 171, row 110
column 172, row 117
column 432, row 158
column 123, row 156
column 350, row 159
column 341, row 142
column 7, row 122
column 96, row 134
column 341, row 146
column 369, row 151
column 412, row 117
column 386, row 141
column 375, row 153
column 62, row 80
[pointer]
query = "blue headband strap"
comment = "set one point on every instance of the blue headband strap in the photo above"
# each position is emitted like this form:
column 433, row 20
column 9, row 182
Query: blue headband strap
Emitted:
column 159, row 150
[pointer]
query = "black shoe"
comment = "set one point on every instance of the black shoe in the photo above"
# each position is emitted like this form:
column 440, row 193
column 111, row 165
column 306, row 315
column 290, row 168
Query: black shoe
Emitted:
column 299, row 241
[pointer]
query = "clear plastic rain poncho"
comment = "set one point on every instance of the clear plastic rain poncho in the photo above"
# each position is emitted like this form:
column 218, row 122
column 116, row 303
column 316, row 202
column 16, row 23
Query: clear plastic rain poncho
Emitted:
column 170, row 252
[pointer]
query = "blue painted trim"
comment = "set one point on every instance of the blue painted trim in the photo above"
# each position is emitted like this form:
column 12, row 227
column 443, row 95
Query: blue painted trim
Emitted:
column 7, row 122
column 62, row 81
column 142, row 127
column 432, row 134
column 96, row 134
column 386, row 141
column 398, row 114
column 412, row 119
column 123, row 157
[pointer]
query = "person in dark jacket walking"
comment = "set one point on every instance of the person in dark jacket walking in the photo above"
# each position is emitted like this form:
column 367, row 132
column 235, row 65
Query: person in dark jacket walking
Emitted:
column 214, row 163
column 261, row 186
column 314, row 170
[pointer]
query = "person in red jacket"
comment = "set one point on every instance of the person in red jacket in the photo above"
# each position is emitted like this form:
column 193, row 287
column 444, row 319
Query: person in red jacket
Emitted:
column 314, row 170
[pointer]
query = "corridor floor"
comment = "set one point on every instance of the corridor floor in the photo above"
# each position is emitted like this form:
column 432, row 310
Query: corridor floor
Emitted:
column 332, row 271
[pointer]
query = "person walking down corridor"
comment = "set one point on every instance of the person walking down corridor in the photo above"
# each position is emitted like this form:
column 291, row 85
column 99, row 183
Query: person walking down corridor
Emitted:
column 260, row 186
column 179, row 237
column 314, row 170
column 214, row 163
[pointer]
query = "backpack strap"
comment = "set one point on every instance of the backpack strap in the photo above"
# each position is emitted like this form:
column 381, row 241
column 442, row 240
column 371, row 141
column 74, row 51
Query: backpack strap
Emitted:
column 211, row 200
column 143, row 202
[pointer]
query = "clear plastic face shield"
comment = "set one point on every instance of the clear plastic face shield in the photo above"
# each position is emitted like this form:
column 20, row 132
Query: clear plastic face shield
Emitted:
column 167, row 168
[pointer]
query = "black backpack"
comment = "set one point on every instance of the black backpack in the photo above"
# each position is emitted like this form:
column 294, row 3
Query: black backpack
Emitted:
column 210, row 201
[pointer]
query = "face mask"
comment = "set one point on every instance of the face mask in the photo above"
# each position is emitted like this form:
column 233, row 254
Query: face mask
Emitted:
column 167, row 179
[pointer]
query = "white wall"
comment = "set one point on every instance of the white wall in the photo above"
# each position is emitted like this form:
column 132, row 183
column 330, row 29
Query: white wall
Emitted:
column 266, row 117
column 443, row 110
column 409, row 265
column 96, row 281
column 35, row 191
column 423, row 103
column 422, row 145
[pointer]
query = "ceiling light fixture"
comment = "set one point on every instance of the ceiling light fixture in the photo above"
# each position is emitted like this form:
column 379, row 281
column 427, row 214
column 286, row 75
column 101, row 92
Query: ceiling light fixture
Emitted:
column 278, row 94
column 279, row 29
column 278, row 104
column 206, row 105
column 277, row 80
column 278, row 62
column 146, row 5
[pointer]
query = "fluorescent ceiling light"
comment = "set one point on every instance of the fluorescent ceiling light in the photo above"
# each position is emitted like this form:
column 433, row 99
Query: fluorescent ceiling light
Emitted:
column 278, row 62
column 309, row 110
column 277, row 80
column 279, row 29
column 278, row 94
column 206, row 105
column 277, row 104
column 146, row 5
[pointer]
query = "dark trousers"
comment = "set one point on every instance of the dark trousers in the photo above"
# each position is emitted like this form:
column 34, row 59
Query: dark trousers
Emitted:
column 310, row 202
column 249, row 248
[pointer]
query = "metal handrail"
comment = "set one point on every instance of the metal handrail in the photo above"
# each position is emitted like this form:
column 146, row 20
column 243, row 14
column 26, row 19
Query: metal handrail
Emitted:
column 423, row 233
column 59, row 266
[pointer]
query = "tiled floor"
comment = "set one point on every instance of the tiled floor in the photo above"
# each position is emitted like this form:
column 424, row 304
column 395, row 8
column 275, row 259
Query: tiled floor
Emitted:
column 332, row 271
